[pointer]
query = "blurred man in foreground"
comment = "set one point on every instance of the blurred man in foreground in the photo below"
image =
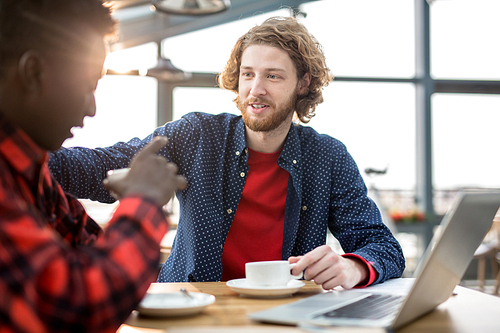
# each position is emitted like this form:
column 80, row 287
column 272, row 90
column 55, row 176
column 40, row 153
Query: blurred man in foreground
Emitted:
column 59, row 271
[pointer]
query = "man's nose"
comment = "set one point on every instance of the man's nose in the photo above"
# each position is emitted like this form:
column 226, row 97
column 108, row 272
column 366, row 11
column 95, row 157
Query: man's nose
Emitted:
column 91, row 109
column 258, row 87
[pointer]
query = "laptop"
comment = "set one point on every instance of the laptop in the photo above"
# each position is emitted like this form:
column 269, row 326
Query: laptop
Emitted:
column 403, row 300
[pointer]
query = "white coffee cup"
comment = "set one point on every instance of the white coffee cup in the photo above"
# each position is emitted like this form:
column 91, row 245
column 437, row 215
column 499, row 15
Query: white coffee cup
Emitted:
column 276, row 273
column 118, row 174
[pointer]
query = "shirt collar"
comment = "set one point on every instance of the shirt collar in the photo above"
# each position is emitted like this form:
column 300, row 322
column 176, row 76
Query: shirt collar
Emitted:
column 239, row 142
column 291, row 150
column 19, row 150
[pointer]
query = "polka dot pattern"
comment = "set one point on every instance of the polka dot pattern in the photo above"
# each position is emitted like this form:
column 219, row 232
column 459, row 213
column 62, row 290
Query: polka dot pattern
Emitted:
column 325, row 190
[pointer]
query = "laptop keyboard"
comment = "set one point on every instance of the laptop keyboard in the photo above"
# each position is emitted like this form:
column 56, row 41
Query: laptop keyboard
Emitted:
column 375, row 306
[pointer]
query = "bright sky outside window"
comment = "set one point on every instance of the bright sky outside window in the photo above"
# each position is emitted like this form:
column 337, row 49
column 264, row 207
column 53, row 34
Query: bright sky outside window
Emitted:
column 466, row 145
column 126, row 105
column 208, row 100
column 365, row 38
column 465, row 39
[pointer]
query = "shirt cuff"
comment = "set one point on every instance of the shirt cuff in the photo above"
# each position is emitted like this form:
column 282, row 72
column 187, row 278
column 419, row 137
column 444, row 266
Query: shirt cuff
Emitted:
column 372, row 274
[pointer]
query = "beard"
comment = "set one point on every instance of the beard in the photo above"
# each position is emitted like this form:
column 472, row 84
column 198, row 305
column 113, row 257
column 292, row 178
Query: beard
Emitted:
column 273, row 120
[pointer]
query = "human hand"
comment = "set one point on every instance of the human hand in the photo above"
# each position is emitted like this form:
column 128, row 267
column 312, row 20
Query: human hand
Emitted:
column 329, row 269
column 150, row 175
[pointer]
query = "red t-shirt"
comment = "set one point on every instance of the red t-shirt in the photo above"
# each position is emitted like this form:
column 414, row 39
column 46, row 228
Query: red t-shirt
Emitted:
column 256, row 233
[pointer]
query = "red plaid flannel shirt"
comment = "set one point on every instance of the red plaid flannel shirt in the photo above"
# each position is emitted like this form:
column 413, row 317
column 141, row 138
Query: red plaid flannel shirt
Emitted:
column 59, row 272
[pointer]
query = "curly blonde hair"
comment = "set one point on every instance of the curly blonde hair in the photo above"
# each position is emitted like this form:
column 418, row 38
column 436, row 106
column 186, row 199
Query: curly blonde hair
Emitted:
column 304, row 50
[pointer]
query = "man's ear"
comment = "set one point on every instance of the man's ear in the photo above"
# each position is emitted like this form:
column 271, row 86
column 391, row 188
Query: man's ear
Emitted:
column 304, row 84
column 29, row 69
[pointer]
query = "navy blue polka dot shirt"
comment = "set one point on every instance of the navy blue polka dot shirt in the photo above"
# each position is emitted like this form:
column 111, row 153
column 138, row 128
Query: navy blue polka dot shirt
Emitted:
column 325, row 190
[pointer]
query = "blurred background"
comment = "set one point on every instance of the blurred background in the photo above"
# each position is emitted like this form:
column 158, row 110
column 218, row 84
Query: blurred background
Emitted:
column 416, row 94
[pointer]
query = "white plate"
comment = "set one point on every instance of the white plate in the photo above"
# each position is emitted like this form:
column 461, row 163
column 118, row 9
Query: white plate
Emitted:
column 173, row 304
column 241, row 287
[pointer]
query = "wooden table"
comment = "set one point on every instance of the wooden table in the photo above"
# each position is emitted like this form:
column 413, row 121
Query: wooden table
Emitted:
column 468, row 311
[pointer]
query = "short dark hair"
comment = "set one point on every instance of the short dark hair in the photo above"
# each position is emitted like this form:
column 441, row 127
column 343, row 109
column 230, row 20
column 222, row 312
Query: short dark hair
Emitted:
column 50, row 25
column 306, row 53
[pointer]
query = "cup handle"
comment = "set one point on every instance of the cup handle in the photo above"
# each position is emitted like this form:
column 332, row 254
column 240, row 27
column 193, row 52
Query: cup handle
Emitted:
column 296, row 277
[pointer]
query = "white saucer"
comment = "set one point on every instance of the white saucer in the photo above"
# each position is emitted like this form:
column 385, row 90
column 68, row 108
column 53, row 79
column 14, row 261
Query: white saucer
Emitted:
column 173, row 304
column 241, row 287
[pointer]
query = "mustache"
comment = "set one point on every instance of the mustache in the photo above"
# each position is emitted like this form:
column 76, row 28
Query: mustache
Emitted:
column 259, row 101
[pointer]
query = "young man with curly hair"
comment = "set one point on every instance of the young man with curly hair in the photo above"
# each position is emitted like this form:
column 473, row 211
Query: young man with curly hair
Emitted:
column 59, row 271
column 261, row 187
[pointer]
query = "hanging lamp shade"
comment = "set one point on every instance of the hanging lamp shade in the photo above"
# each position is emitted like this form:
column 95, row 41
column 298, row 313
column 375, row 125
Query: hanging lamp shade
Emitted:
column 191, row 7
column 166, row 71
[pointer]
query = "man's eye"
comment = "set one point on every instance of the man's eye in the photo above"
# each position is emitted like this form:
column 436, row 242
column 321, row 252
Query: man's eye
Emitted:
column 272, row 76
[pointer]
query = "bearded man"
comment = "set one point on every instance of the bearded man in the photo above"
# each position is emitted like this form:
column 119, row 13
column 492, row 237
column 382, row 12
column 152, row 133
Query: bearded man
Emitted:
column 260, row 186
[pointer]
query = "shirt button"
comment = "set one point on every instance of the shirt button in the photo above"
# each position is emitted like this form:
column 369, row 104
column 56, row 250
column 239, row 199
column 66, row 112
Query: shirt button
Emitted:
column 222, row 246
column 242, row 174
column 237, row 153
column 304, row 207
column 294, row 162
column 229, row 211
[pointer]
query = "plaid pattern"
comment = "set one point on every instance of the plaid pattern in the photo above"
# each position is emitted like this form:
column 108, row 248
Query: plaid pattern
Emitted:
column 59, row 272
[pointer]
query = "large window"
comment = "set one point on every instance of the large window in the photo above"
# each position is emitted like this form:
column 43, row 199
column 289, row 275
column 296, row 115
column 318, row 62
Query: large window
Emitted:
column 362, row 39
column 463, row 36
column 376, row 122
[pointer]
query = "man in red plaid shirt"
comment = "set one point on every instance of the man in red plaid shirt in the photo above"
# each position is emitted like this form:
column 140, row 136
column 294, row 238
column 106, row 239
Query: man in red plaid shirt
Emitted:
column 59, row 272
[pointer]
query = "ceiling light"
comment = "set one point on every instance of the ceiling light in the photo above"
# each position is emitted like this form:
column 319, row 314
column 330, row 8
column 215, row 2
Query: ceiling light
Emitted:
column 164, row 71
column 191, row 7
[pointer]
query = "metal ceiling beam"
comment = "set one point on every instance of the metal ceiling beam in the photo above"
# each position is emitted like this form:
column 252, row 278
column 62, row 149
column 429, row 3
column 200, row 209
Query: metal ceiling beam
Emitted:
column 166, row 89
column 467, row 86
column 152, row 26
column 120, row 4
